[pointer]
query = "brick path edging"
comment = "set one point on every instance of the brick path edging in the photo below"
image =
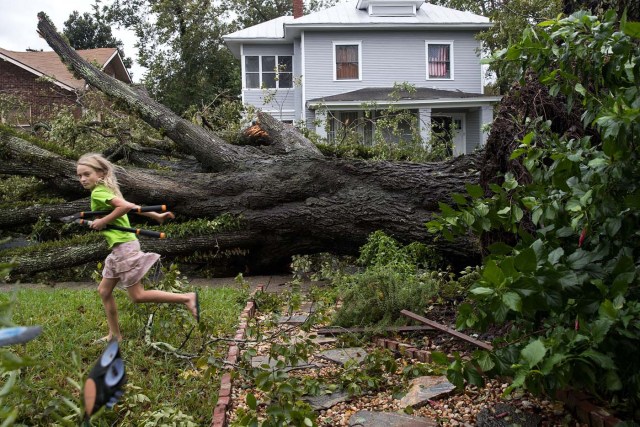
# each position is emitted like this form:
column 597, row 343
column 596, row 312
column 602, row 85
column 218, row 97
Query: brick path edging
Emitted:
column 577, row 402
column 224, row 395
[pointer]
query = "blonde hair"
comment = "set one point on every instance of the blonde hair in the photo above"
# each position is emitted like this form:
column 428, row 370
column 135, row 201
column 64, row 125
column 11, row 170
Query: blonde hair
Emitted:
column 98, row 163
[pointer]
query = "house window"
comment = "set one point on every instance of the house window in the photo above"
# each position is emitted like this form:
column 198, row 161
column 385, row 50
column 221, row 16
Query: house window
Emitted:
column 262, row 72
column 347, row 61
column 439, row 60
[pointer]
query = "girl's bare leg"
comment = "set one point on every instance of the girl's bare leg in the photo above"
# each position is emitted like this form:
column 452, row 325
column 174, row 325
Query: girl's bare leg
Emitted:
column 105, row 289
column 160, row 217
column 138, row 294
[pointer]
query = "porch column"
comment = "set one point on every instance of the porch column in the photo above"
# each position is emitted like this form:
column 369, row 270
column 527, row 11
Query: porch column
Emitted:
column 486, row 117
column 424, row 120
column 320, row 126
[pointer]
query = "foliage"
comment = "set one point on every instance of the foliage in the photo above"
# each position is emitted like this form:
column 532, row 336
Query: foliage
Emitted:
column 72, row 318
column 86, row 32
column 372, row 375
column 10, row 363
column 509, row 17
column 248, row 14
column 23, row 191
column 13, row 109
column 101, row 127
column 391, row 281
column 180, row 44
column 569, row 287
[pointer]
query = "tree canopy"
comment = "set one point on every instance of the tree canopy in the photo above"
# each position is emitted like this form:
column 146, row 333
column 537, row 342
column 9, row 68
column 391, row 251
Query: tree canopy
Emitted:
column 86, row 32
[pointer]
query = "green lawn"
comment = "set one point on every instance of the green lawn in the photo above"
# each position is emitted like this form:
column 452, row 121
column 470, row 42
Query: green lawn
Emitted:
column 161, row 388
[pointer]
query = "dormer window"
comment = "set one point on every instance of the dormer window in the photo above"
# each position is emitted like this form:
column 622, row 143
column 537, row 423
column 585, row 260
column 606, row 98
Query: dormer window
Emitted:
column 390, row 7
column 392, row 10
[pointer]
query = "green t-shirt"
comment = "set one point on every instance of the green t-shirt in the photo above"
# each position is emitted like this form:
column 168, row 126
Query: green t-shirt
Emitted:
column 100, row 197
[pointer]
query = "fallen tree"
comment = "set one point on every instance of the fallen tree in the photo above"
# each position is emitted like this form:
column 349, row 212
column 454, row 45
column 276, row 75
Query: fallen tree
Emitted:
column 291, row 199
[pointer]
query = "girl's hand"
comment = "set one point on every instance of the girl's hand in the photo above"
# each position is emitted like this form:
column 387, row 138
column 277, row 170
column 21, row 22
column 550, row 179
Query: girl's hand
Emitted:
column 98, row 224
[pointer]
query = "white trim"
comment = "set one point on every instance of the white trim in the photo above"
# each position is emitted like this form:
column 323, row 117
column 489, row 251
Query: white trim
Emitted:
column 348, row 43
column 260, row 72
column 390, row 4
column 36, row 72
column 242, row 71
column 303, row 73
column 451, row 57
column 462, row 102
column 117, row 53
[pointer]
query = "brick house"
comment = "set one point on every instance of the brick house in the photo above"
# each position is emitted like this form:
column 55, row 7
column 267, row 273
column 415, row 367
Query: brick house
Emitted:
column 41, row 82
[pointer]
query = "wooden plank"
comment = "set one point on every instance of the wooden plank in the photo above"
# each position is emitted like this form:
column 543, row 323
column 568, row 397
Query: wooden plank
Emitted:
column 338, row 331
column 448, row 330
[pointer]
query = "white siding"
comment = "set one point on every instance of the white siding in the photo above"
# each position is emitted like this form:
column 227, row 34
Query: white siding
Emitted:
column 389, row 57
column 283, row 104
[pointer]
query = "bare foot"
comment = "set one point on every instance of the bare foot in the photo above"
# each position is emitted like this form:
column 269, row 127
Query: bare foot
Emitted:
column 193, row 305
column 165, row 216
column 106, row 339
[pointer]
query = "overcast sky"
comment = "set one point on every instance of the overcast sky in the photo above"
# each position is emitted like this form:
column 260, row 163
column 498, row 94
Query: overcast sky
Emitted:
column 18, row 23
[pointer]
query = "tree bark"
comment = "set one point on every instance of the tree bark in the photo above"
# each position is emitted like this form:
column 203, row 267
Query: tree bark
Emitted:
column 291, row 198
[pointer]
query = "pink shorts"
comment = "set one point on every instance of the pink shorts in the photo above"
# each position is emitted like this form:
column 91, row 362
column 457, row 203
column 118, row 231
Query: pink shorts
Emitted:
column 128, row 263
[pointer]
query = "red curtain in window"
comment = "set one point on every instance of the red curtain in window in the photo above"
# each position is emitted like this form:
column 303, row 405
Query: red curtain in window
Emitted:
column 439, row 61
column 346, row 62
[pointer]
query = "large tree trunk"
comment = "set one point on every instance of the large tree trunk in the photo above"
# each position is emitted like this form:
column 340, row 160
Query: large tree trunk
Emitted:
column 290, row 198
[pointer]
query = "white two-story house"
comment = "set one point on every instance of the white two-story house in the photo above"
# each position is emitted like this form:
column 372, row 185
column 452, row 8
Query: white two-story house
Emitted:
column 327, row 68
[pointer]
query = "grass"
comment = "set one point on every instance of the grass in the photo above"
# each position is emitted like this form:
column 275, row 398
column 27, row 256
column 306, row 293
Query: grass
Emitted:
column 161, row 388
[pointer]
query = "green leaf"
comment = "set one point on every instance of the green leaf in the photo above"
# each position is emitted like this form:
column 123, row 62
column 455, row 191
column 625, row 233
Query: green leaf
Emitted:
column 474, row 190
column 601, row 360
column 526, row 261
column 251, row 401
column 632, row 29
column 517, row 213
column 485, row 362
column 621, row 283
column 492, row 273
column 439, row 358
column 500, row 248
column 580, row 89
column 534, row 352
column 482, row 291
column 578, row 260
column 481, row 209
column 612, row 381
column 459, row 199
column 513, row 301
column 612, row 226
column 555, row 255
column 535, row 216
column 308, row 422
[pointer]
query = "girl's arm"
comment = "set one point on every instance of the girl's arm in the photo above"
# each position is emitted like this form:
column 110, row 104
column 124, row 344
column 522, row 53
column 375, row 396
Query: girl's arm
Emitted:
column 120, row 207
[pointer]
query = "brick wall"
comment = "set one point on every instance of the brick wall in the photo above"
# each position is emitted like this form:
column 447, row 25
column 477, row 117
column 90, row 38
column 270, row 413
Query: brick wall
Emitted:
column 41, row 96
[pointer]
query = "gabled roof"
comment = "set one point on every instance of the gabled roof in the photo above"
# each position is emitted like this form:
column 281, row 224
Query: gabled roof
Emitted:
column 49, row 64
column 388, row 95
column 348, row 15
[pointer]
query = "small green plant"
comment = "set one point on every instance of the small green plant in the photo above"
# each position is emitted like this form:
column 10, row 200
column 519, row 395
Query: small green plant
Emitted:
column 390, row 282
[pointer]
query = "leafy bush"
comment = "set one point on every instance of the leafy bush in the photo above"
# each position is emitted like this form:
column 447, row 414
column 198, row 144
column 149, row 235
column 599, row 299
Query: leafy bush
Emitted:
column 569, row 287
column 390, row 283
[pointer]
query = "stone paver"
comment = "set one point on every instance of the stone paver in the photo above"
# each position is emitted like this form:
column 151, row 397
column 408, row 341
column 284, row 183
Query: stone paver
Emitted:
column 326, row 401
column 297, row 319
column 388, row 419
column 423, row 389
column 342, row 355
